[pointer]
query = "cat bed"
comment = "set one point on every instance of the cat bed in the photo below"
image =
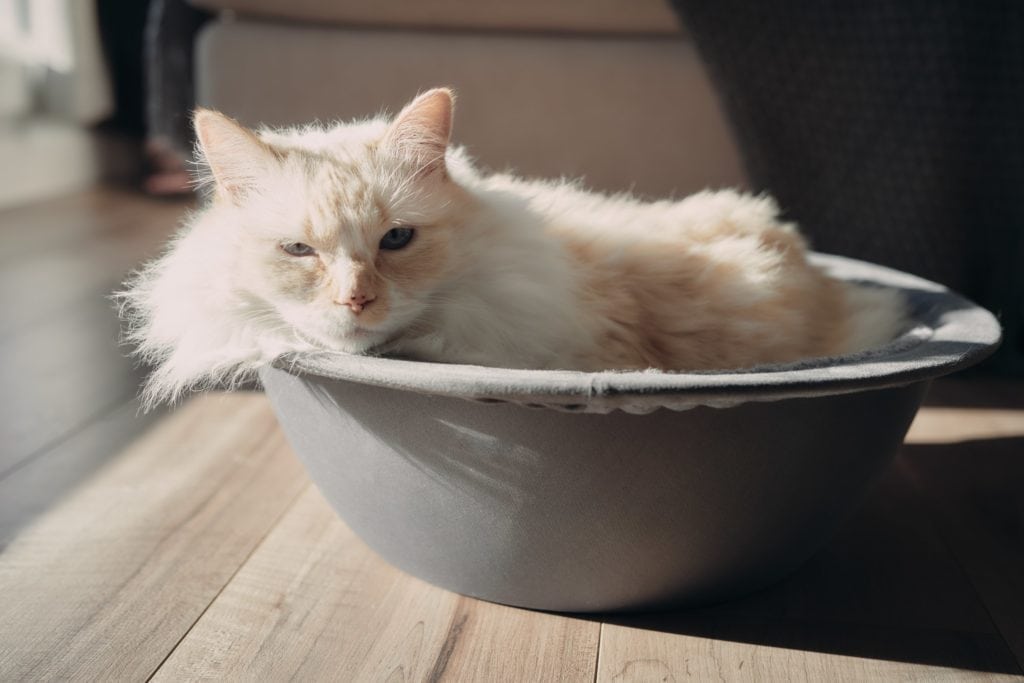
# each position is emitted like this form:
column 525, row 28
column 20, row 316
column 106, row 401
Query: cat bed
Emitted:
column 581, row 492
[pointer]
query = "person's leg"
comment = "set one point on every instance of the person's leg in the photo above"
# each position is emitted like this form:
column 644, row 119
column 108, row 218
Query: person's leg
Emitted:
column 171, row 28
column 891, row 132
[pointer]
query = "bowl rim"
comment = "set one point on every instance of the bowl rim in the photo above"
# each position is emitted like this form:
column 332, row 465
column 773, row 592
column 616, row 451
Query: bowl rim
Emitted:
column 950, row 333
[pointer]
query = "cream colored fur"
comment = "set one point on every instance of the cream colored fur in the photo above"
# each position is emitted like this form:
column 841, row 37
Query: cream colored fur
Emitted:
column 501, row 271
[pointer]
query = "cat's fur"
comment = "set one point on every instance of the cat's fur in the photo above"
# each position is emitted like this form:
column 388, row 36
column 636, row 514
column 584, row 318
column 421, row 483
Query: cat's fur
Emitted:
column 501, row 271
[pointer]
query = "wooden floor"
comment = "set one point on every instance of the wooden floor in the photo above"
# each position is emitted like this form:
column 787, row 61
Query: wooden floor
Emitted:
column 192, row 545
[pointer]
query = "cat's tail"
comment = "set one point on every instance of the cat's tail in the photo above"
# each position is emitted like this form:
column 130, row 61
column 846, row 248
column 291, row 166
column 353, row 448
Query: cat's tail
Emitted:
column 876, row 316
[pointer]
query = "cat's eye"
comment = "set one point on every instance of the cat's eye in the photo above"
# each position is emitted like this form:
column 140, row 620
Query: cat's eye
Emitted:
column 396, row 238
column 298, row 249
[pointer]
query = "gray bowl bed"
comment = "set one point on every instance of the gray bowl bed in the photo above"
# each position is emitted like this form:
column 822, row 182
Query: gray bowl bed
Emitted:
column 615, row 490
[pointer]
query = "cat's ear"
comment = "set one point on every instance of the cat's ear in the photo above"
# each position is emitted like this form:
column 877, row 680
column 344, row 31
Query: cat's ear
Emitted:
column 421, row 131
column 237, row 158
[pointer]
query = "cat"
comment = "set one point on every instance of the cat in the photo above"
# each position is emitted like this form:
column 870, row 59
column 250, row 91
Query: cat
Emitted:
column 380, row 237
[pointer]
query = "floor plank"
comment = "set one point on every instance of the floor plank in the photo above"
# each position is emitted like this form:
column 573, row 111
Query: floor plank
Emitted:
column 105, row 584
column 44, row 480
column 966, row 390
column 32, row 228
column 314, row 603
column 59, row 376
column 935, row 425
column 79, row 219
column 509, row 644
column 98, row 238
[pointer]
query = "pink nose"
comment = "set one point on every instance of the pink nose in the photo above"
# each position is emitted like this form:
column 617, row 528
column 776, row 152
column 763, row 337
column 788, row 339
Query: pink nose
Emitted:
column 357, row 301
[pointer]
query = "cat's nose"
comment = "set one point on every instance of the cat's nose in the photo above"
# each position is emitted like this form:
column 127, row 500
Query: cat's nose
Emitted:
column 357, row 301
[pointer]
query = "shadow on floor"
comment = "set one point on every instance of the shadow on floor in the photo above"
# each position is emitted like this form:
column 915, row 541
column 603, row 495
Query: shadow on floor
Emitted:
column 971, row 390
column 888, row 586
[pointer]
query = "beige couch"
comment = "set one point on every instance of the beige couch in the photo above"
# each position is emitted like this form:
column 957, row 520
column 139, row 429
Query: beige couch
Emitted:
column 607, row 89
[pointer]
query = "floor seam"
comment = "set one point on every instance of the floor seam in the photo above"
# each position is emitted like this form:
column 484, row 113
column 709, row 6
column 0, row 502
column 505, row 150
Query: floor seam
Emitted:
column 256, row 546
column 55, row 443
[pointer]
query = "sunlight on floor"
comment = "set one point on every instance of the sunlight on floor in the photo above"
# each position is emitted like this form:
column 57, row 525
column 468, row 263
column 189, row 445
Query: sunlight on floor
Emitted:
column 44, row 159
column 950, row 425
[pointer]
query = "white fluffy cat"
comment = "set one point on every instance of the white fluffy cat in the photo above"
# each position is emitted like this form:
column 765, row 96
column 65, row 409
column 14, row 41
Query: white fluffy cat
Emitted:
column 378, row 237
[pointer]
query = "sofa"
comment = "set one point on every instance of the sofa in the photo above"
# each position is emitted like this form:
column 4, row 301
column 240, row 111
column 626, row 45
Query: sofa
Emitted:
column 610, row 90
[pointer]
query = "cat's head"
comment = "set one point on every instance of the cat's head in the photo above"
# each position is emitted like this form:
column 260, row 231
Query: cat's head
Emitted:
column 345, row 232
